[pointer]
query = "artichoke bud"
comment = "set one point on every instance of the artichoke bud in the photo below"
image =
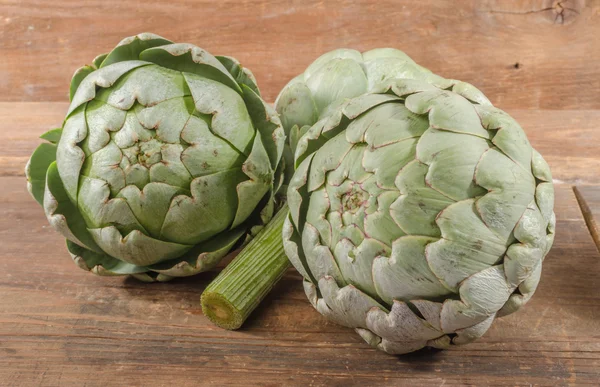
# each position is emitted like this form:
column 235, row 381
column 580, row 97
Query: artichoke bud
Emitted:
column 167, row 157
column 419, row 212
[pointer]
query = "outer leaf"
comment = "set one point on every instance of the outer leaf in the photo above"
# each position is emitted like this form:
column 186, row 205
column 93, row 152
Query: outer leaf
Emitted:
column 37, row 166
column 61, row 212
column 129, row 49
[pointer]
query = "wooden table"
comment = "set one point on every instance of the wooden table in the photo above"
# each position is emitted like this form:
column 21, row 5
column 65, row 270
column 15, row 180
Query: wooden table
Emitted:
column 60, row 326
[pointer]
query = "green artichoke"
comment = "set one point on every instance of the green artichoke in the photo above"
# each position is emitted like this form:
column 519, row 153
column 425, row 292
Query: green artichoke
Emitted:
column 167, row 159
column 418, row 214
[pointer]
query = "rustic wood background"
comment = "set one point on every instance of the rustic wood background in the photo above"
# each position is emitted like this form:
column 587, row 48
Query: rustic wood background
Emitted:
column 59, row 326
column 531, row 54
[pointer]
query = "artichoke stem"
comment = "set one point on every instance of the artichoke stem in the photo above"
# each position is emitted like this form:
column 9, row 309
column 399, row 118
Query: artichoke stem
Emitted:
column 241, row 286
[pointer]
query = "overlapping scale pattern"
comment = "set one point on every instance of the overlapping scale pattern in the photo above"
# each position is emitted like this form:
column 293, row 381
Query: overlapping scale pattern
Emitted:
column 418, row 214
column 167, row 158
column 336, row 76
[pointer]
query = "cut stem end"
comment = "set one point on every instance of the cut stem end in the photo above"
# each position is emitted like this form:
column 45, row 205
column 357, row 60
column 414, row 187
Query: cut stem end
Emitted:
column 220, row 311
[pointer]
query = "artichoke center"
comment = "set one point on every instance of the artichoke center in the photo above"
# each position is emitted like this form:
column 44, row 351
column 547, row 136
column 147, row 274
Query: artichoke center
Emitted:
column 146, row 153
column 354, row 199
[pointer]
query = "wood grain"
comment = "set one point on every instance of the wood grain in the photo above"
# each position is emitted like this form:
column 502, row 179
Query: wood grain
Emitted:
column 61, row 326
column 524, row 54
column 588, row 198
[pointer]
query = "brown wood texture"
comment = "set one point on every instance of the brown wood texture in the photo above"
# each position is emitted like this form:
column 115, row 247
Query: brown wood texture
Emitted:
column 61, row 326
column 589, row 201
column 540, row 54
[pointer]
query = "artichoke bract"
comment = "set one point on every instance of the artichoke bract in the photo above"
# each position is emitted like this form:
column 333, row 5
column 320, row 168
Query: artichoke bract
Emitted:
column 166, row 160
column 418, row 214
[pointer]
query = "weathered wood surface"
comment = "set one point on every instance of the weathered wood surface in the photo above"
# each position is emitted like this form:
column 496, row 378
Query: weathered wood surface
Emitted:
column 540, row 54
column 61, row 326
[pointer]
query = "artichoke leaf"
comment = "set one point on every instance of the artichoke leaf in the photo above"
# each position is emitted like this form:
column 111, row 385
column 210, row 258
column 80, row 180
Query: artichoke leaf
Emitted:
column 267, row 123
column 250, row 192
column 130, row 48
column 471, row 93
column 171, row 169
column 151, row 204
column 136, row 247
column 355, row 262
column 510, row 187
column 452, row 159
column 230, row 118
column 394, row 156
column 190, row 59
column 526, row 290
column 147, row 85
column 36, row 169
column 207, row 153
column 379, row 224
column 386, row 124
column 79, row 75
column 99, row 79
column 414, row 328
column 319, row 258
column 418, row 205
column 52, row 136
column 101, row 166
column 323, row 60
column 168, row 118
column 242, row 75
column 100, row 263
column 346, row 305
column 69, row 156
column 447, row 111
column 107, row 118
column 99, row 209
column 210, row 210
column 540, row 168
column 63, row 215
column 296, row 106
column 292, row 244
column 297, row 193
column 481, row 296
column 470, row 334
column 340, row 78
column 203, row 256
column 330, row 157
column 509, row 137
column 97, row 62
column 467, row 245
column 544, row 198
column 405, row 275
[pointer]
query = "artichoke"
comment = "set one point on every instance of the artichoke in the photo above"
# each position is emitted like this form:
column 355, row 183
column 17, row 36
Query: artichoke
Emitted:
column 166, row 160
column 419, row 213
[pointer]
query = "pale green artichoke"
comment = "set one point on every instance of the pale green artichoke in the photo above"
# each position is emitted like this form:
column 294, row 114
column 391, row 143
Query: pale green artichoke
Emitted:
column 418, row 212
column 166, row 160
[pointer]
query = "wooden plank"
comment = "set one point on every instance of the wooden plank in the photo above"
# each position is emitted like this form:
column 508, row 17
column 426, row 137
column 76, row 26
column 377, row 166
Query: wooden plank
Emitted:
column 540, row 54
column 588, row 198
column 59, row 325
column 566, row 138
